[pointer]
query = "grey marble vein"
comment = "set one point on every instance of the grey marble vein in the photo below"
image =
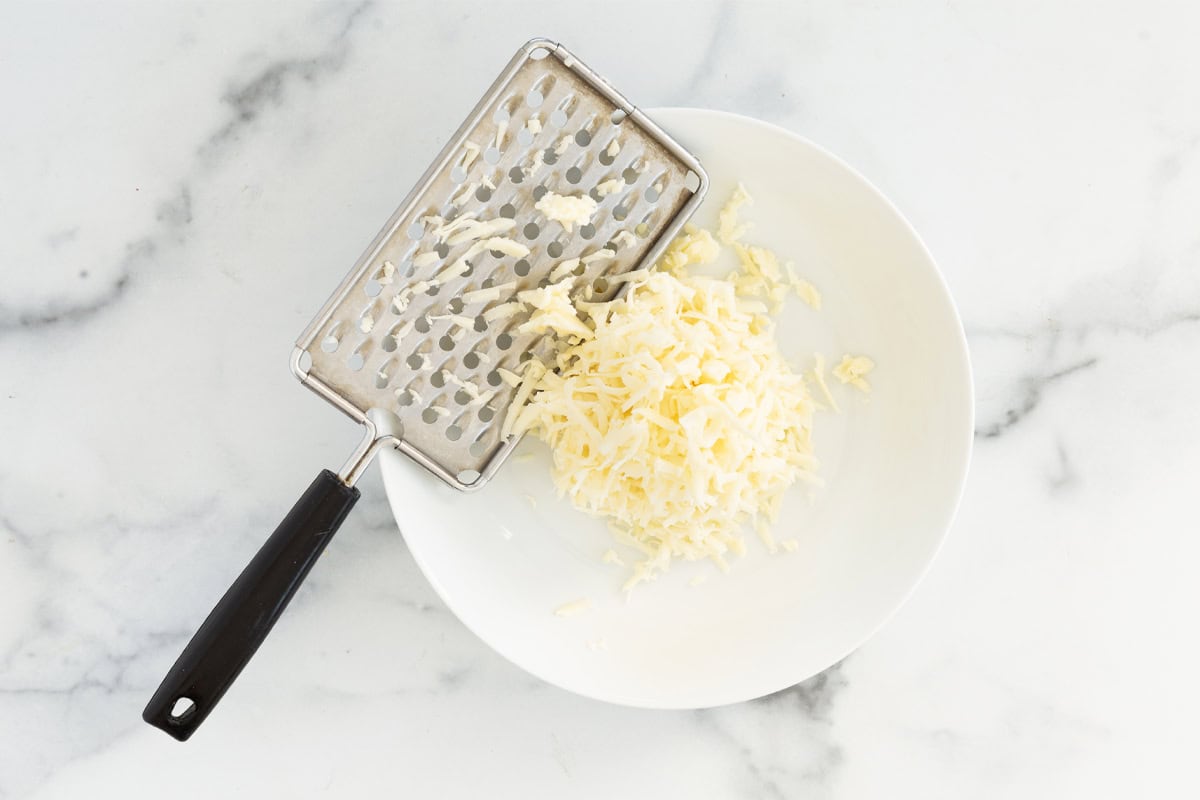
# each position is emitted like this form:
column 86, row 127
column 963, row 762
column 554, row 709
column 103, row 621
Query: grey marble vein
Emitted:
column 1030, row 391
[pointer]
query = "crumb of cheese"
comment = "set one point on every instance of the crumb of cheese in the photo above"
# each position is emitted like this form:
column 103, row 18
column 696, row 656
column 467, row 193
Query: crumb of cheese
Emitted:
column 729, row 230
column 566, row 210
column 572, row 608
column 612, row 557
column 853, row 370
column 818, row 373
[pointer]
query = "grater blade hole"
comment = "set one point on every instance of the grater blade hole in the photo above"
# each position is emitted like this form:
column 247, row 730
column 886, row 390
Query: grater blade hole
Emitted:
column 471, row 360
column 501, row 115
column 534, row 99
column 574, row 174
column 480, row 324
column 329, row 344
column 524, row 137
column 587, row 231
column 389, row 343
column 422, row 324
column 539, row 192
column 438, row 380
column 414, row 361
column 468, row 476
column 652, row 195
column 356, row 361
column 446, row 343
column 404, row 398
column 554, row 250
column 558, row 118
column 462, row 397
column 442, row 250
column 429, row 416
column 504, row 341
column 642, row 230
column 456, row 305
column 416, row 230
column 433, row 290
column 483, row 194
column 372, row 288
column 477, row 448
column 606, row 159
column 521, row 268
column 454, row 433
column 550, row 157
column 458, row 175
column 620, row 213
column 516, row 175
column 491, row 155
column 600, row 285
column 531, row 230
column 583, row 138
column 630, row 175
column 618, row 117
column 508, row 211
column 494, row 378
column 487, row 414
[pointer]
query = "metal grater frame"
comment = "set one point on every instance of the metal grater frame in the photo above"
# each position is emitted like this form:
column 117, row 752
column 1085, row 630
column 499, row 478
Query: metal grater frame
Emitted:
column 358, row 366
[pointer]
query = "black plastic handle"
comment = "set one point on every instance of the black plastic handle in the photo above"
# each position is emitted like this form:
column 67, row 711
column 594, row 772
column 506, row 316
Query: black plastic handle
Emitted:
column 245, row 615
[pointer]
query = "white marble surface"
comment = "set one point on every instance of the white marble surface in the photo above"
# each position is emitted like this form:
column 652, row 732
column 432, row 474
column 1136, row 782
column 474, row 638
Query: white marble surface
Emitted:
column 183, row 183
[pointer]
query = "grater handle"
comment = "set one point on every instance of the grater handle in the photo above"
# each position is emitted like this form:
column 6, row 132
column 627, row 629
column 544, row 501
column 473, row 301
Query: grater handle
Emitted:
column 248, row 610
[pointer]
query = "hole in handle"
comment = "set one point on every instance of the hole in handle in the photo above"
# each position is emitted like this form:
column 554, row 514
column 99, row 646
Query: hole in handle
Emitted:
column 182, row 709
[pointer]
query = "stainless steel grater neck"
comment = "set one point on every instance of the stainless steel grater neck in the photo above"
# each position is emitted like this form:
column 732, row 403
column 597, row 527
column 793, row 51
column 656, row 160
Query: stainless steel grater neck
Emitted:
column 433, row 357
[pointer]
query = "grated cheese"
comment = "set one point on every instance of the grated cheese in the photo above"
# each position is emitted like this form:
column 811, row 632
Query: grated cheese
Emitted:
column 611, row 557
column 553, row 311
column 729, row 230
column 694, row 247
column 853, row 370
column 614, row 147
column 425, row 260
column 471, row 154
column 670, row 411
column 818, row 373
column 566, row 210
column 611, row 186
column 476, row 229
column 644, row 432
column 502, row 311
column 572, row 608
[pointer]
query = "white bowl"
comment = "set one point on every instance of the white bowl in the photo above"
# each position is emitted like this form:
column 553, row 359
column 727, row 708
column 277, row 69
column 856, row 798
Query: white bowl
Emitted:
column 505, row 558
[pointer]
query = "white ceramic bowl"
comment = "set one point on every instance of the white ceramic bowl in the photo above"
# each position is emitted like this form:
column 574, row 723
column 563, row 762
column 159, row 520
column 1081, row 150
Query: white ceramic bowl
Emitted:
column 505, row 558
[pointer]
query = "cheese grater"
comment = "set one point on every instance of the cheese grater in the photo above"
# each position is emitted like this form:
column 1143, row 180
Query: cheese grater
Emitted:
column 425, row 326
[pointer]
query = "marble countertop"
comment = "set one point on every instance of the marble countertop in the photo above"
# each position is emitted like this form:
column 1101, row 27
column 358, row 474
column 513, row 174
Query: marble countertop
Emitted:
column 181, row 184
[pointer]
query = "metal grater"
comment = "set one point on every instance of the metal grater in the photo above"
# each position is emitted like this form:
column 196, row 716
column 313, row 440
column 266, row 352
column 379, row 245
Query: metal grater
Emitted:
column 433, row 359
column 662, row 185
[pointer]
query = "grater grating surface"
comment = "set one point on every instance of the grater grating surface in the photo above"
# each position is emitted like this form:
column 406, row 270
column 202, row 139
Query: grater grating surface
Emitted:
column 432, row 359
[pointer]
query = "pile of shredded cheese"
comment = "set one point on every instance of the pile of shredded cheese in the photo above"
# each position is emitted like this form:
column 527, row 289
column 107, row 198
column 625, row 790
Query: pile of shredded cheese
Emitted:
column 670, row 411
